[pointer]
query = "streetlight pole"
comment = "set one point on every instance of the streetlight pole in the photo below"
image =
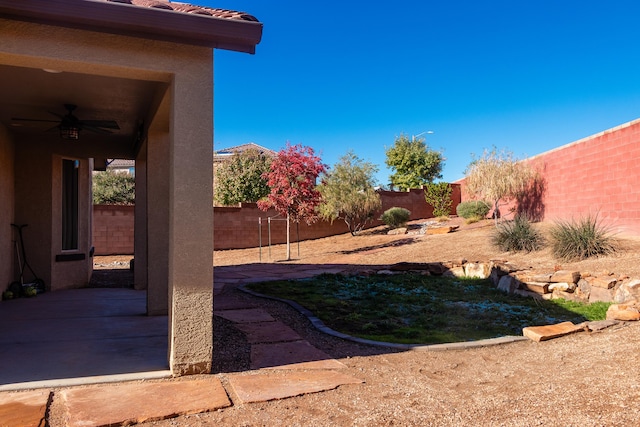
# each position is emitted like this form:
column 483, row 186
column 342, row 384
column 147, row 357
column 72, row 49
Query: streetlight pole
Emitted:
column 413, row 137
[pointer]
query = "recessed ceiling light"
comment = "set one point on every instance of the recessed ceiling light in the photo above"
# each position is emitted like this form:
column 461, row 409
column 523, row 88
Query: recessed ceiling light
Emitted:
column 49, row 70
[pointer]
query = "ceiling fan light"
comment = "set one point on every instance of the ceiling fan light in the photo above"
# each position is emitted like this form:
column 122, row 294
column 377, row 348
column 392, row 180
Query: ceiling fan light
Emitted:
column 69, row 132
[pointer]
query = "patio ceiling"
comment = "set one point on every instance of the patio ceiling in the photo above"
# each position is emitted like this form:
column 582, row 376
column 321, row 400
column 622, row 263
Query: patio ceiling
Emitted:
column 35, row 94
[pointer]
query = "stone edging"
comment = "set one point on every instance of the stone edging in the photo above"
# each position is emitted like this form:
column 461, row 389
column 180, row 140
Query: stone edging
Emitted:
column 318, row 324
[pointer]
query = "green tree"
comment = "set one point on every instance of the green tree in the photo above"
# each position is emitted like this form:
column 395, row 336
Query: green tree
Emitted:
column 113, row 188
column 498, row 177
column 348, row 193
column 439, row 196
column 240, row 178
column 413, row 162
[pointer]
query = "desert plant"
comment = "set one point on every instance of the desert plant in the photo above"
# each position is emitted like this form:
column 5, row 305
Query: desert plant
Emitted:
column 473, row 208
column 499, row 177
column 517, row 235
column 348, row 193
column 395, row 217
column 581, row 239
column 439, row 196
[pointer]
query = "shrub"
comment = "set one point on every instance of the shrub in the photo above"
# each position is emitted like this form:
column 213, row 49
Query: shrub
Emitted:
column 577, row 240
column 395, row 217
column 113, row 188
column 517, row 235
column 439, row 196
column 473, row 208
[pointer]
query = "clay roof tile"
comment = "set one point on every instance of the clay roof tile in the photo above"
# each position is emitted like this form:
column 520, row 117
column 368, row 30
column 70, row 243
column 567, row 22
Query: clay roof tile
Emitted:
column 189, row 8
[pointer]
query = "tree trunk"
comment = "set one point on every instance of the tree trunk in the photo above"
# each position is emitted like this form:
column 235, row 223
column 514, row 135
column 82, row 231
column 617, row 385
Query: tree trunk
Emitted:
column 288, row 239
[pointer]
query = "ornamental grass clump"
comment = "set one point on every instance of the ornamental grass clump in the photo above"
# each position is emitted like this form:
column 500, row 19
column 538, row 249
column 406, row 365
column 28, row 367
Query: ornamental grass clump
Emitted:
column 517, row 235
column 578, row 240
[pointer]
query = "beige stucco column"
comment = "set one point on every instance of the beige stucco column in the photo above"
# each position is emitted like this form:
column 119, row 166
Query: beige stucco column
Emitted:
column 158, row 213
column 191, row 219
column 140, row 277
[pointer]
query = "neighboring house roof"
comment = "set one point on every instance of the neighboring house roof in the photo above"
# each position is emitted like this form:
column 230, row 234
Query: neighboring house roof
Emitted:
column 155, row 19
column 220, row 155
column 121, row 163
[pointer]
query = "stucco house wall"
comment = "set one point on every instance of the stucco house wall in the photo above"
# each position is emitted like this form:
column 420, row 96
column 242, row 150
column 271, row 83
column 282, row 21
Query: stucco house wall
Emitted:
column 150, row 71
column 6, row 207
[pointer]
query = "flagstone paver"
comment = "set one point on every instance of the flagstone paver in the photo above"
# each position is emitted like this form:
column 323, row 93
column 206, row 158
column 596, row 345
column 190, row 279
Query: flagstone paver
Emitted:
column 264, row 387
column 283, row 355
column 250, row 315
column 543, row 333
column 126, row 404
column 24, row 408
column 291, row 366
column 226, row 303
column 268, row 332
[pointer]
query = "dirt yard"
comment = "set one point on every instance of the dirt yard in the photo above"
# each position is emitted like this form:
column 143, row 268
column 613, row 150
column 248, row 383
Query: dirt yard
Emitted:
column 586, row 379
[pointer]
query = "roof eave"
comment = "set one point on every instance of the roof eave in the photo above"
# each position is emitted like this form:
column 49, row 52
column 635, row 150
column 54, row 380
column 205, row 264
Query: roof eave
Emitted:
column 129, row 20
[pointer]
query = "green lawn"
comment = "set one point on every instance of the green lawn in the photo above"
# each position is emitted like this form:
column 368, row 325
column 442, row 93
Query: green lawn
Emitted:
column 412, row 308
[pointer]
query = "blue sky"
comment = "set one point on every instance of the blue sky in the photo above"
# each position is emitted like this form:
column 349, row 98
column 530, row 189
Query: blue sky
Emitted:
column 523, row 75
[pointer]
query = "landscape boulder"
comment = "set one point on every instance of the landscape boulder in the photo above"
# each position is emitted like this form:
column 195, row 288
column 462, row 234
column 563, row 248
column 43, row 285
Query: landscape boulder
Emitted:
column 628, row 291
column 477, row 270
column 508, row 284
column 606, row 282
column 565, row 276
column 624, row 312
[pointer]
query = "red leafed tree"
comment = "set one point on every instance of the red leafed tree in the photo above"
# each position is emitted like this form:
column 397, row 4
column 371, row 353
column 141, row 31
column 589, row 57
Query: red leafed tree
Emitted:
column 292, row 179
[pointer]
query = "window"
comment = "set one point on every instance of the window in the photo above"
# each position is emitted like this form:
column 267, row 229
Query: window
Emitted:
column 70, row 204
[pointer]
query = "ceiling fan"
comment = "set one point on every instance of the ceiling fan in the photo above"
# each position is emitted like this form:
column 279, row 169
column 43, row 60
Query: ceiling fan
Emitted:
column 70, row 126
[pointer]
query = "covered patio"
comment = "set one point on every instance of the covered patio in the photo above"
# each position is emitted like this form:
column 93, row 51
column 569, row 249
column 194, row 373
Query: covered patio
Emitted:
column 83, row 81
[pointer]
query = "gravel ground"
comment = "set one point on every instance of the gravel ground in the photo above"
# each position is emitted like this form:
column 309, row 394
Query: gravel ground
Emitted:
column 585, row 379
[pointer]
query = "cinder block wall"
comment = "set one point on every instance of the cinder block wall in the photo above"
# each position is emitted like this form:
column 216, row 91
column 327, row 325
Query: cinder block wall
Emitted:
column 239, row 227
column 113, row 229
column 599, row 175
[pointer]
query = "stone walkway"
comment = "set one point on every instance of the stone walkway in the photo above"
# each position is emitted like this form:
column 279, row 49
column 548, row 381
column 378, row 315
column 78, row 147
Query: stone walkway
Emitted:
column 283, row 365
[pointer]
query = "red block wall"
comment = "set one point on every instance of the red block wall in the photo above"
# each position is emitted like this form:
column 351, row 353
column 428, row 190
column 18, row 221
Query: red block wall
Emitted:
column 113, row 229
column 239, row 227
column 595, row 175
column 235, row 228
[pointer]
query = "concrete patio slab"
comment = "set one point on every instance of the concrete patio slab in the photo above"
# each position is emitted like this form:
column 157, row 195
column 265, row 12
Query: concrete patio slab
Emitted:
column 23, row 409
column 79, row 333
column 268, row 332
column 291, row 355
column 128, row 404
column 250, row 315
column 265, row 387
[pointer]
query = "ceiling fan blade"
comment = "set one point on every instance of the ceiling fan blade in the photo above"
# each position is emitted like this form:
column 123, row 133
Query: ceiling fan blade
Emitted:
column 108, row 124
column 19, row 119
column 60, row 116
column 95, row 129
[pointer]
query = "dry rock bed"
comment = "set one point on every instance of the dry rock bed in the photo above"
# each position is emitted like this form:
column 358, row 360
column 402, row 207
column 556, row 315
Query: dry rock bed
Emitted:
column 582, row 379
